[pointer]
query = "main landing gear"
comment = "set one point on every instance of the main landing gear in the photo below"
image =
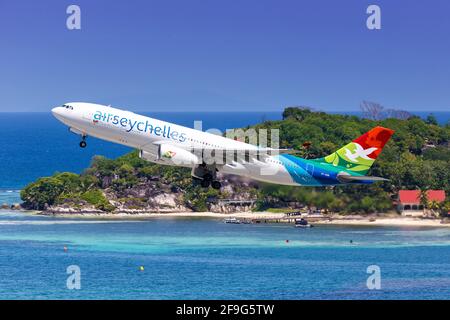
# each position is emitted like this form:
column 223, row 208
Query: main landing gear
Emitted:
column 216, row 185
column 206, row 177
column 205, row 183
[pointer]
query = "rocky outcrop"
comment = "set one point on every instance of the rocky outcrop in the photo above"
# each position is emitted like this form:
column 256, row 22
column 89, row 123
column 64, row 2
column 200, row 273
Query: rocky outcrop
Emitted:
column 230, row 208
column 14, row 206
column 152, row 196
column 66, row 209
column 161, row 202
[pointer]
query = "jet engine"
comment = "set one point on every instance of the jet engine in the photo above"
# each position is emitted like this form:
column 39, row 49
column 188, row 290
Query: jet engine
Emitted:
column 171, row 155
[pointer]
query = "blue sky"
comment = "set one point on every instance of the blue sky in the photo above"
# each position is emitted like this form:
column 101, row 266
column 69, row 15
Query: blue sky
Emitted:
column 215, row 55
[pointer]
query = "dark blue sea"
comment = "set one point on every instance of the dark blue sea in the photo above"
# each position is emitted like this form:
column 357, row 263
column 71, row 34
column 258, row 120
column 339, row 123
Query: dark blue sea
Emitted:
column 207, row 259
column 192, row 258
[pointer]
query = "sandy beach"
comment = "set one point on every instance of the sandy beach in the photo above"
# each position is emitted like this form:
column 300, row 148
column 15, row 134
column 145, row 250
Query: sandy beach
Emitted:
column 354, row 220
column 398, row 222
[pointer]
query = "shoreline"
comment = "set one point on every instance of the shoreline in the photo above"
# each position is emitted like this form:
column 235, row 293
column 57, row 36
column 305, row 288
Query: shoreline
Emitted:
column 269, row 217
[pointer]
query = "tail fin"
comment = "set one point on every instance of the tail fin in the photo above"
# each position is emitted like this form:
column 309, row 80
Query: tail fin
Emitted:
column 359, row 155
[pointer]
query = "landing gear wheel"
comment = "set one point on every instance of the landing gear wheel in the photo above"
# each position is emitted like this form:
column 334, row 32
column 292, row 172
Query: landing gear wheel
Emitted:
column 216, row 185
column 205, row 183
column 196, row 181
column 83, row 144
column 208, row 177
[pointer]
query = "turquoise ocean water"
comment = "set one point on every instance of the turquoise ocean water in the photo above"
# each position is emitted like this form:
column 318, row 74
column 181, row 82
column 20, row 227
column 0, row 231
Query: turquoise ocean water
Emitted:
column 207, row 259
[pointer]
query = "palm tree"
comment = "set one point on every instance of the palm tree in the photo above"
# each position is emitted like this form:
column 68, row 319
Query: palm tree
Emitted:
column 442, row 208
column 423, row 198
column 445, row 208
column 435, row 207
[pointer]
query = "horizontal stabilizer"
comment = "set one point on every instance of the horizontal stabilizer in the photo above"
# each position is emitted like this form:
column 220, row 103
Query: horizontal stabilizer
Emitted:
column 349, row 178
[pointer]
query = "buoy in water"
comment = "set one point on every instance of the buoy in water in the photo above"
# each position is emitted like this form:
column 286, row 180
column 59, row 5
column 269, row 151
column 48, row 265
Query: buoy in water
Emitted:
column 141, row 268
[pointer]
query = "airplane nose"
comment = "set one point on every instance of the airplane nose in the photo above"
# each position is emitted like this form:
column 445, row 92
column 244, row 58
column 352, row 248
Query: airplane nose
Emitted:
column 56, row 110
column 57, row 113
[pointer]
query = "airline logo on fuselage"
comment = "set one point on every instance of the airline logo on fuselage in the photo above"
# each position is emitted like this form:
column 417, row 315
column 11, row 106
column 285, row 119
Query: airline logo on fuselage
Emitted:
column 134, row 125
column 169, row 154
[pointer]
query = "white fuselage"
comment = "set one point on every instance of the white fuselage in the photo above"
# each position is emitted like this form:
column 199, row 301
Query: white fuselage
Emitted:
column 148, row 134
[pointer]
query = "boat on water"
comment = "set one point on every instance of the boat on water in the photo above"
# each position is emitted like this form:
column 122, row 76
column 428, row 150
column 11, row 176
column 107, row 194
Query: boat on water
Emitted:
column 232, row 221
column 302, row 223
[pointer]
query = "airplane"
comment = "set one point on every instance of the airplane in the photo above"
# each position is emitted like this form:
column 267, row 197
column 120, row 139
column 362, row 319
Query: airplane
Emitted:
column 207, row 154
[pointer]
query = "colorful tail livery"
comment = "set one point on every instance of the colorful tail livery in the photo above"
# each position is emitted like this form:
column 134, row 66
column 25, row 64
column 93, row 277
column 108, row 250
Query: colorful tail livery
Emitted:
column 359, row 155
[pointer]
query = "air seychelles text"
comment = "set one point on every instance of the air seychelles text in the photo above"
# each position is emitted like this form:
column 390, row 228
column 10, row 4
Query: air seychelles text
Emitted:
column 130, row 125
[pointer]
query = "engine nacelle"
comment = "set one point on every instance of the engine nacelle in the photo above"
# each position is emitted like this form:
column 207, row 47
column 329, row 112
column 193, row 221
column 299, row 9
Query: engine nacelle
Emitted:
column 171, row 155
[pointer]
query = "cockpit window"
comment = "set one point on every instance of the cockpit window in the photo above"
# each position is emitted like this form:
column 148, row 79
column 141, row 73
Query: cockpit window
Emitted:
column 67, row 106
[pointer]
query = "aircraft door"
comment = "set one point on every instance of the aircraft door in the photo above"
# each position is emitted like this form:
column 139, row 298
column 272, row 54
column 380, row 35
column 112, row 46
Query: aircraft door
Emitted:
column 310, row 169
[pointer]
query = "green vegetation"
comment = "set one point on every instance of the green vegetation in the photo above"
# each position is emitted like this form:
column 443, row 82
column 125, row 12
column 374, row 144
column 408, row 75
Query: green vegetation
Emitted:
column 417, row 157
column 98, row 199
column 119, row 175
column 55, row 189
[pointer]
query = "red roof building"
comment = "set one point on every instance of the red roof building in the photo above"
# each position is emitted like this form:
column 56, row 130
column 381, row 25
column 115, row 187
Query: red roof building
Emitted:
column 409, row 200
column 413, row 196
